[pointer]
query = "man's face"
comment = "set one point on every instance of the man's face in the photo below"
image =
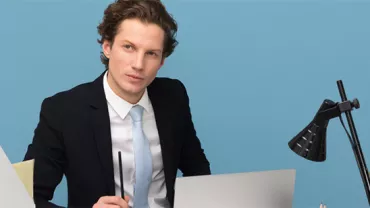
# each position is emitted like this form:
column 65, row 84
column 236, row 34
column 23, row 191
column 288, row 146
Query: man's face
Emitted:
column 134, row 58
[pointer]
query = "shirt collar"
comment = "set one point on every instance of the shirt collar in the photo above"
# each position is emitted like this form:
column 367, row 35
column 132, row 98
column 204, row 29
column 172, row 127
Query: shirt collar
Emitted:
column 121, row 106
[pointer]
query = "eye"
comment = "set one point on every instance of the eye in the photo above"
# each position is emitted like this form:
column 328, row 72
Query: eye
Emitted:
column 151, row 53
column 129, row 47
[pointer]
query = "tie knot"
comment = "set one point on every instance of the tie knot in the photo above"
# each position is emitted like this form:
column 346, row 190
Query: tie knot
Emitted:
column 136, row 113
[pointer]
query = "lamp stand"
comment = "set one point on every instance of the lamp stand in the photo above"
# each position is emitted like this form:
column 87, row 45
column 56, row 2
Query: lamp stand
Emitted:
column 355, row 143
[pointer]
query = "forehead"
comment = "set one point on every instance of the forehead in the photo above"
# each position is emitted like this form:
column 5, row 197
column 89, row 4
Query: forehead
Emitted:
column 144, row 35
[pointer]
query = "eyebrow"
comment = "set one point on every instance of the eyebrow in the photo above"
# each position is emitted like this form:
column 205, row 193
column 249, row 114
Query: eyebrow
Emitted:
column 158, row 50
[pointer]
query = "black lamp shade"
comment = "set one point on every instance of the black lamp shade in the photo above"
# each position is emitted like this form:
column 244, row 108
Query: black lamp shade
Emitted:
column 310, row 143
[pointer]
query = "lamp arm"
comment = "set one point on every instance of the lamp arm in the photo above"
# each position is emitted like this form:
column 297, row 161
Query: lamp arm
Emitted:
column 356, row 143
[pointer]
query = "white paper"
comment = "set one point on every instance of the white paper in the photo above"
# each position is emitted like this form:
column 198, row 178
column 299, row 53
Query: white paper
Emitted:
column 12, row 191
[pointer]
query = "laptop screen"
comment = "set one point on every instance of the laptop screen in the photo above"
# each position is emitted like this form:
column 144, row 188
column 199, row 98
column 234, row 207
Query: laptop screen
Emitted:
column 266, row 189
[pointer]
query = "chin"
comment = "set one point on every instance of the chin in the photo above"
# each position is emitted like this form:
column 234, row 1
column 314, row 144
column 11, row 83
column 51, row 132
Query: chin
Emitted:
column 134, row 89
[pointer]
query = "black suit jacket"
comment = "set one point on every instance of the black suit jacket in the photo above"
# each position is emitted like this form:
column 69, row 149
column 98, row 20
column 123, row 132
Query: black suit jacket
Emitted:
column 73, row 138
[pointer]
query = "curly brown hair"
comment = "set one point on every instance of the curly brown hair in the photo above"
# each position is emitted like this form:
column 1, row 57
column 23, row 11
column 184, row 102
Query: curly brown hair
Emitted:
column 148, row 11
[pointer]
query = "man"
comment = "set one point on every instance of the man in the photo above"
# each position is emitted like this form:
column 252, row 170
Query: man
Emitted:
column 126, row 109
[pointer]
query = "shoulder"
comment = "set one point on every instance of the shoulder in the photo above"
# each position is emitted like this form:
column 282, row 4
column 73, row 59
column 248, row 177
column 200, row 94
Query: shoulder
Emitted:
column 166, row 81
column 169, row 90
column 77, row 92
column 168, row 85
column 64, row 105
column 66, row 99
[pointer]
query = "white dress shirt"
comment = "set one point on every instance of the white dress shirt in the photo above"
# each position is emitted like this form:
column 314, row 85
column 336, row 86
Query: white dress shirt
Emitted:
column 121, row 131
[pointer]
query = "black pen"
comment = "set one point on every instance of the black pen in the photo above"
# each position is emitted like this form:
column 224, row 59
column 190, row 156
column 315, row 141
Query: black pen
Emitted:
column 121, row 174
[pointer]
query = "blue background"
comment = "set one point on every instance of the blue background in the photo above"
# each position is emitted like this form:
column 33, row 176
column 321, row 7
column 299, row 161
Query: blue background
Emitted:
column 256, row 73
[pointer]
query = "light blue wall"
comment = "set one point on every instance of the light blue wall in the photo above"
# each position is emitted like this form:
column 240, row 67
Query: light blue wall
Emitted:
column 256, row 72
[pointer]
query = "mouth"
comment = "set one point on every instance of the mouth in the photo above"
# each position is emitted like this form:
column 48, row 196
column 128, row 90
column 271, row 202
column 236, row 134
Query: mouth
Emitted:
column 134, row 77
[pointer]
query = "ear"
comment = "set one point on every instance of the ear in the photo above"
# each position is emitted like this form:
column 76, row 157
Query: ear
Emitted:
column 107, row 47
column 162, row 61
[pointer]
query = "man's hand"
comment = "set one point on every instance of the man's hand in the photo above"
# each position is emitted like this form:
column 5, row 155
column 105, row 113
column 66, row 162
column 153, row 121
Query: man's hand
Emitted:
column 112, row 202
column 322, row 205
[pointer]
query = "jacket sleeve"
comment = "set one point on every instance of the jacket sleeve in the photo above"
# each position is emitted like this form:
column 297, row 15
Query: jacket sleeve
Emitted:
column 193, row 160
column 48, row 151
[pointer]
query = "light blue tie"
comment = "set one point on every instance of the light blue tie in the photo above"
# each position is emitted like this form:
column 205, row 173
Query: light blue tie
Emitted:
column 143, row 159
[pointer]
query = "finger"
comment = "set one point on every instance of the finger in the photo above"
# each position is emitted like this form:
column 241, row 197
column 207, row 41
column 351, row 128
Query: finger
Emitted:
column 321, row 205
column 108, row 200
column 111, row 206
column 127, row 198
column 113, row 200
column 106, row 206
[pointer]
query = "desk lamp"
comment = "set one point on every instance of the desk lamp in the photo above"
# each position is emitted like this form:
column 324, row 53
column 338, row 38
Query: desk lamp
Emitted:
column 310, row 143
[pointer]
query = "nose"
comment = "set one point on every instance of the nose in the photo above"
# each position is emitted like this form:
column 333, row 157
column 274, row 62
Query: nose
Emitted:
column 138, row 62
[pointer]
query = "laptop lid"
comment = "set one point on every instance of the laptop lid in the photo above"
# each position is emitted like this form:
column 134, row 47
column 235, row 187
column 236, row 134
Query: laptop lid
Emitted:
column 265, row 189
column 12, row 191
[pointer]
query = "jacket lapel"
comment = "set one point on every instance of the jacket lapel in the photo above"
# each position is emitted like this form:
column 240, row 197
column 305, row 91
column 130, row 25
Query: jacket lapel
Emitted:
column 162, row 111
column 102, row 135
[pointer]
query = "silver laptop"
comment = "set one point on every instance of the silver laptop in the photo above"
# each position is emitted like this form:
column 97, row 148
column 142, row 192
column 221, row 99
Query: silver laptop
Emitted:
column 12, row 191
column 266, row 189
